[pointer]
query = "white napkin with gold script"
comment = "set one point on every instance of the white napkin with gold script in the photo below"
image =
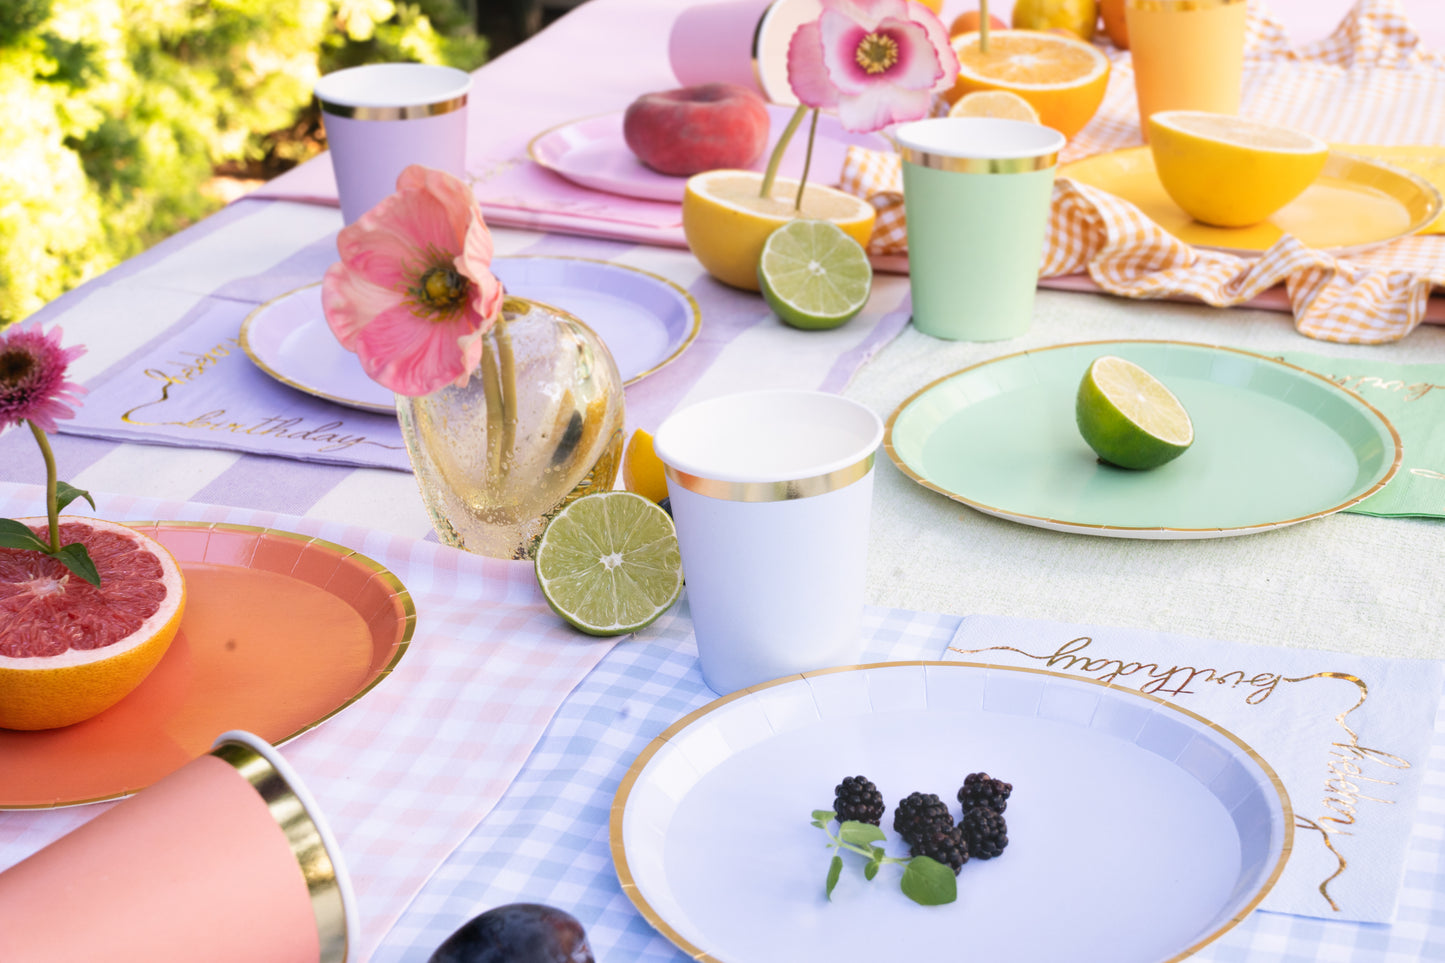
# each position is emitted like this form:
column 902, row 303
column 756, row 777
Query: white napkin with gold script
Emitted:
column 1348, row 735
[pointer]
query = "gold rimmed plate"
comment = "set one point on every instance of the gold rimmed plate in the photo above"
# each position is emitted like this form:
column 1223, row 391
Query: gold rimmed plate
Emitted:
column 281, row 632
column 1356, row 203
column 712, row 842
column 1274, row 444
column 645, row 320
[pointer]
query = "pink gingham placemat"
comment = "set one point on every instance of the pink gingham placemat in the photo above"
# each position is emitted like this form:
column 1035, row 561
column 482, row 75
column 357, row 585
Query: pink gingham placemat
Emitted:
column 404, row 774
column 1369, row 82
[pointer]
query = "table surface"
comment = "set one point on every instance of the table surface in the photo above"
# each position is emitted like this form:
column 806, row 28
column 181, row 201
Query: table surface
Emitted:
column 1347, row 582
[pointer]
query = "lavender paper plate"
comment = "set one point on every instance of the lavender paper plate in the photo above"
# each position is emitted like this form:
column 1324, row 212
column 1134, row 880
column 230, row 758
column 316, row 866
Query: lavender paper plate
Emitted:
column 646, row 322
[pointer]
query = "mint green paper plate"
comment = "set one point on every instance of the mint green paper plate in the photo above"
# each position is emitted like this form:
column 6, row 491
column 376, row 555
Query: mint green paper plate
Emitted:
column 1274, row 444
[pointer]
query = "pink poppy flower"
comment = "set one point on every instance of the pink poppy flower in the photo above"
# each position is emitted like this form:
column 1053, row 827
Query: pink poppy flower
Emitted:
column 879, row 62
column 414, row 291
column 32, row 377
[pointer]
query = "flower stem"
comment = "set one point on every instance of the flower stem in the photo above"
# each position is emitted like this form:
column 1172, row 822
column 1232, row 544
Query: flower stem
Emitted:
column 777, row 158
column 52, row 499
column 807, row 162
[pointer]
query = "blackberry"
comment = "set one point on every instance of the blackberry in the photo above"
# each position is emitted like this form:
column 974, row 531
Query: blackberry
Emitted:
column 945, row 845
column 918, row 814
column 858, row 799
column 985, row 832
column 981, row 789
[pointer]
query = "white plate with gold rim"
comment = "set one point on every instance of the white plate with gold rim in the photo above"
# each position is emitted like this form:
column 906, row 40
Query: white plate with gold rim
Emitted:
column 645, row 320
column 1139, row 831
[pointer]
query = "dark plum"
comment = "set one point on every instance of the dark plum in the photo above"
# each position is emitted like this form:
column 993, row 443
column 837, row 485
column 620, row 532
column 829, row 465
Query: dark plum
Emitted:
column 517, row 933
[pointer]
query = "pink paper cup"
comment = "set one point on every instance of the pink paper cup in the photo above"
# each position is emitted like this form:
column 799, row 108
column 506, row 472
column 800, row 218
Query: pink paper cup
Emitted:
column 225, row 860
column 740, row 42
column 381, row 118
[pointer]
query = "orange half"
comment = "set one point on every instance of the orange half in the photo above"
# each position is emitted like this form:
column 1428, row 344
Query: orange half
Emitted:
column 1063, row 77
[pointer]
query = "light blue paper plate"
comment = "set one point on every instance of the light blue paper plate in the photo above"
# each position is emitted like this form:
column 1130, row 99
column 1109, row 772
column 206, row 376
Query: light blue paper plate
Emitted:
column 1274, row 444
column 645, row 320
column 1138, row 831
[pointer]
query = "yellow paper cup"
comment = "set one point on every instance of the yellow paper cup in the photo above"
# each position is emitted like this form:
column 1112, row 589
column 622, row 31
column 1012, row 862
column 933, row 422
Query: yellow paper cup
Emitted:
column 1187, row 54
column 225, row 860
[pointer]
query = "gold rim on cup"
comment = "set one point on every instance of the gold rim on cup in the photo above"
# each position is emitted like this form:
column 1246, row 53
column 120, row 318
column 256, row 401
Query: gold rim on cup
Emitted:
column 771, row 491
column 303, row 835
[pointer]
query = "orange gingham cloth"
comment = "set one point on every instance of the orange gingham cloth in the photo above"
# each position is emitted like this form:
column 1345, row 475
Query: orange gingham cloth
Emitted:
column 1370, row 82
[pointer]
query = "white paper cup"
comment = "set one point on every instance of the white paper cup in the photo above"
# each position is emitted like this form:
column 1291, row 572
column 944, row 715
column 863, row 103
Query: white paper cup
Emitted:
column 771, row 493
column 381, row 118
column 740, row 42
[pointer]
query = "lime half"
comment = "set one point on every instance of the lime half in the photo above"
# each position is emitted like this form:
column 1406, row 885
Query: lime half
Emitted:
column 1128, row 417
column 813, row 275
column 608, row 563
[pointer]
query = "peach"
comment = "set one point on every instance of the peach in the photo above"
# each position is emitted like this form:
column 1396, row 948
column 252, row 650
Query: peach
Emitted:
column 700, row 128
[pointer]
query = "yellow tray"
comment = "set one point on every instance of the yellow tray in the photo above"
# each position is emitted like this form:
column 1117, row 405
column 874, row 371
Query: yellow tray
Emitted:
column 1355, row 204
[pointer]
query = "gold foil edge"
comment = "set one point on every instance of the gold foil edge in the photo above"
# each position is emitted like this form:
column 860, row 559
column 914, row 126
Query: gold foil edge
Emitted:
column 404, row 112
column 778, row 491
column 978, row 165
column 304, row 838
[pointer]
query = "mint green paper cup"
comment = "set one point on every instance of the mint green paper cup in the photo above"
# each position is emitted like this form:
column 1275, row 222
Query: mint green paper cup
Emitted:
column 976, row 196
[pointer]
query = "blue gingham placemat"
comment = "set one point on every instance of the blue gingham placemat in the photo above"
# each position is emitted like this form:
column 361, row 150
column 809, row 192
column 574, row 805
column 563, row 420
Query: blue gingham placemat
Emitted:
column 547, row 839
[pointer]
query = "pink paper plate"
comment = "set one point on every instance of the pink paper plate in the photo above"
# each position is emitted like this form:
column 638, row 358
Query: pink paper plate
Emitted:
column 281, row 632
column 592, row 153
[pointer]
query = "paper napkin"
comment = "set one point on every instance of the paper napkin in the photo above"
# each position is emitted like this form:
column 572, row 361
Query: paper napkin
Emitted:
column 1412, row 397
column 1348, row 735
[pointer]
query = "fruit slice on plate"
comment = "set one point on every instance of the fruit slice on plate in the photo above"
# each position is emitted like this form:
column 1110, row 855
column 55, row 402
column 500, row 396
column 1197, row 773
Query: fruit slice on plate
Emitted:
column 1229, row 171
column 813, row 275
column 70, row 650
column 1129, row 417
column 642, row 470
column 726, row 220
column 1061, row 76
column 1002, row 104
column 608, row 563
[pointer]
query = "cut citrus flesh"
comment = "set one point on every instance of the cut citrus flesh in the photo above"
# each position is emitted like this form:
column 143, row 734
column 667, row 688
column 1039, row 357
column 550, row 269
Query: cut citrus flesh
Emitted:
column 608, row 563
column 813, row 275
column 642, row 470
column 1076, row 16
column 70, row 650
column 1003, row 104
column 1129, row 417
column 1229, row 171
column 1063, row 77
column 726, row 220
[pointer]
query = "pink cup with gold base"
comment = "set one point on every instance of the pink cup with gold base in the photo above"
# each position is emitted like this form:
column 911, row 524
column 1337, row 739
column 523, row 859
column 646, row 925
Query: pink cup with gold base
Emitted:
column 225, row 860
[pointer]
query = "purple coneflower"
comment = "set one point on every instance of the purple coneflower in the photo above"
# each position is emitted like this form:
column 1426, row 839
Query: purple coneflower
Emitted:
column 32, row 377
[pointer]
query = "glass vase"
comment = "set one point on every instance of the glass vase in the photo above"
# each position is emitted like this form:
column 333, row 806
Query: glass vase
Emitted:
column 537, row 425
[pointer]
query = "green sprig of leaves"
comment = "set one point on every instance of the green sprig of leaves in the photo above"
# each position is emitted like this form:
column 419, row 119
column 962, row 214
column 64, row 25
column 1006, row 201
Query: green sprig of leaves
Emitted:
column 15, row 534
column 925, row 880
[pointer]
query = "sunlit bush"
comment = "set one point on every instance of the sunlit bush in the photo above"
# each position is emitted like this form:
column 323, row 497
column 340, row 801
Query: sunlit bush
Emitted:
column 118, row 112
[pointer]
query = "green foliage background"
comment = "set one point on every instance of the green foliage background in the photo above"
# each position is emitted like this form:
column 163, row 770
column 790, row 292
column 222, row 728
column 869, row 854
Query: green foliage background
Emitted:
column 118, row 112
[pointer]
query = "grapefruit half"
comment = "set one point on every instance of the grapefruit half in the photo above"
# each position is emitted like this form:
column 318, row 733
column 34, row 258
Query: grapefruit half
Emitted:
column 70, row 650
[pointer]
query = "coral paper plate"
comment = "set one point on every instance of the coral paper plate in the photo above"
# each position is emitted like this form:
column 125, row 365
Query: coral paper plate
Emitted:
column 281, row 632
column 1138, row 831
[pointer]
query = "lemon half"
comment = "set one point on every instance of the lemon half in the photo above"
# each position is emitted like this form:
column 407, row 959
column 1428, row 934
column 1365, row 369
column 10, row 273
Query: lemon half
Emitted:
column 1229, row 171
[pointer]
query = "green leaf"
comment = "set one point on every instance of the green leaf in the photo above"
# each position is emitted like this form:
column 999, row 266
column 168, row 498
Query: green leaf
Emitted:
column 822, row 817
column 871, row 869
column 835, row 869
column 860, row 834
column 928, row 882
column 15, row 535
column 65, row 493
column 77, row 559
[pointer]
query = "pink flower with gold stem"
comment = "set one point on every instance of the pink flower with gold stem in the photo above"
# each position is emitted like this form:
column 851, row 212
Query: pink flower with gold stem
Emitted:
column 414, row 291
column 877, row 62
column 34, row 390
